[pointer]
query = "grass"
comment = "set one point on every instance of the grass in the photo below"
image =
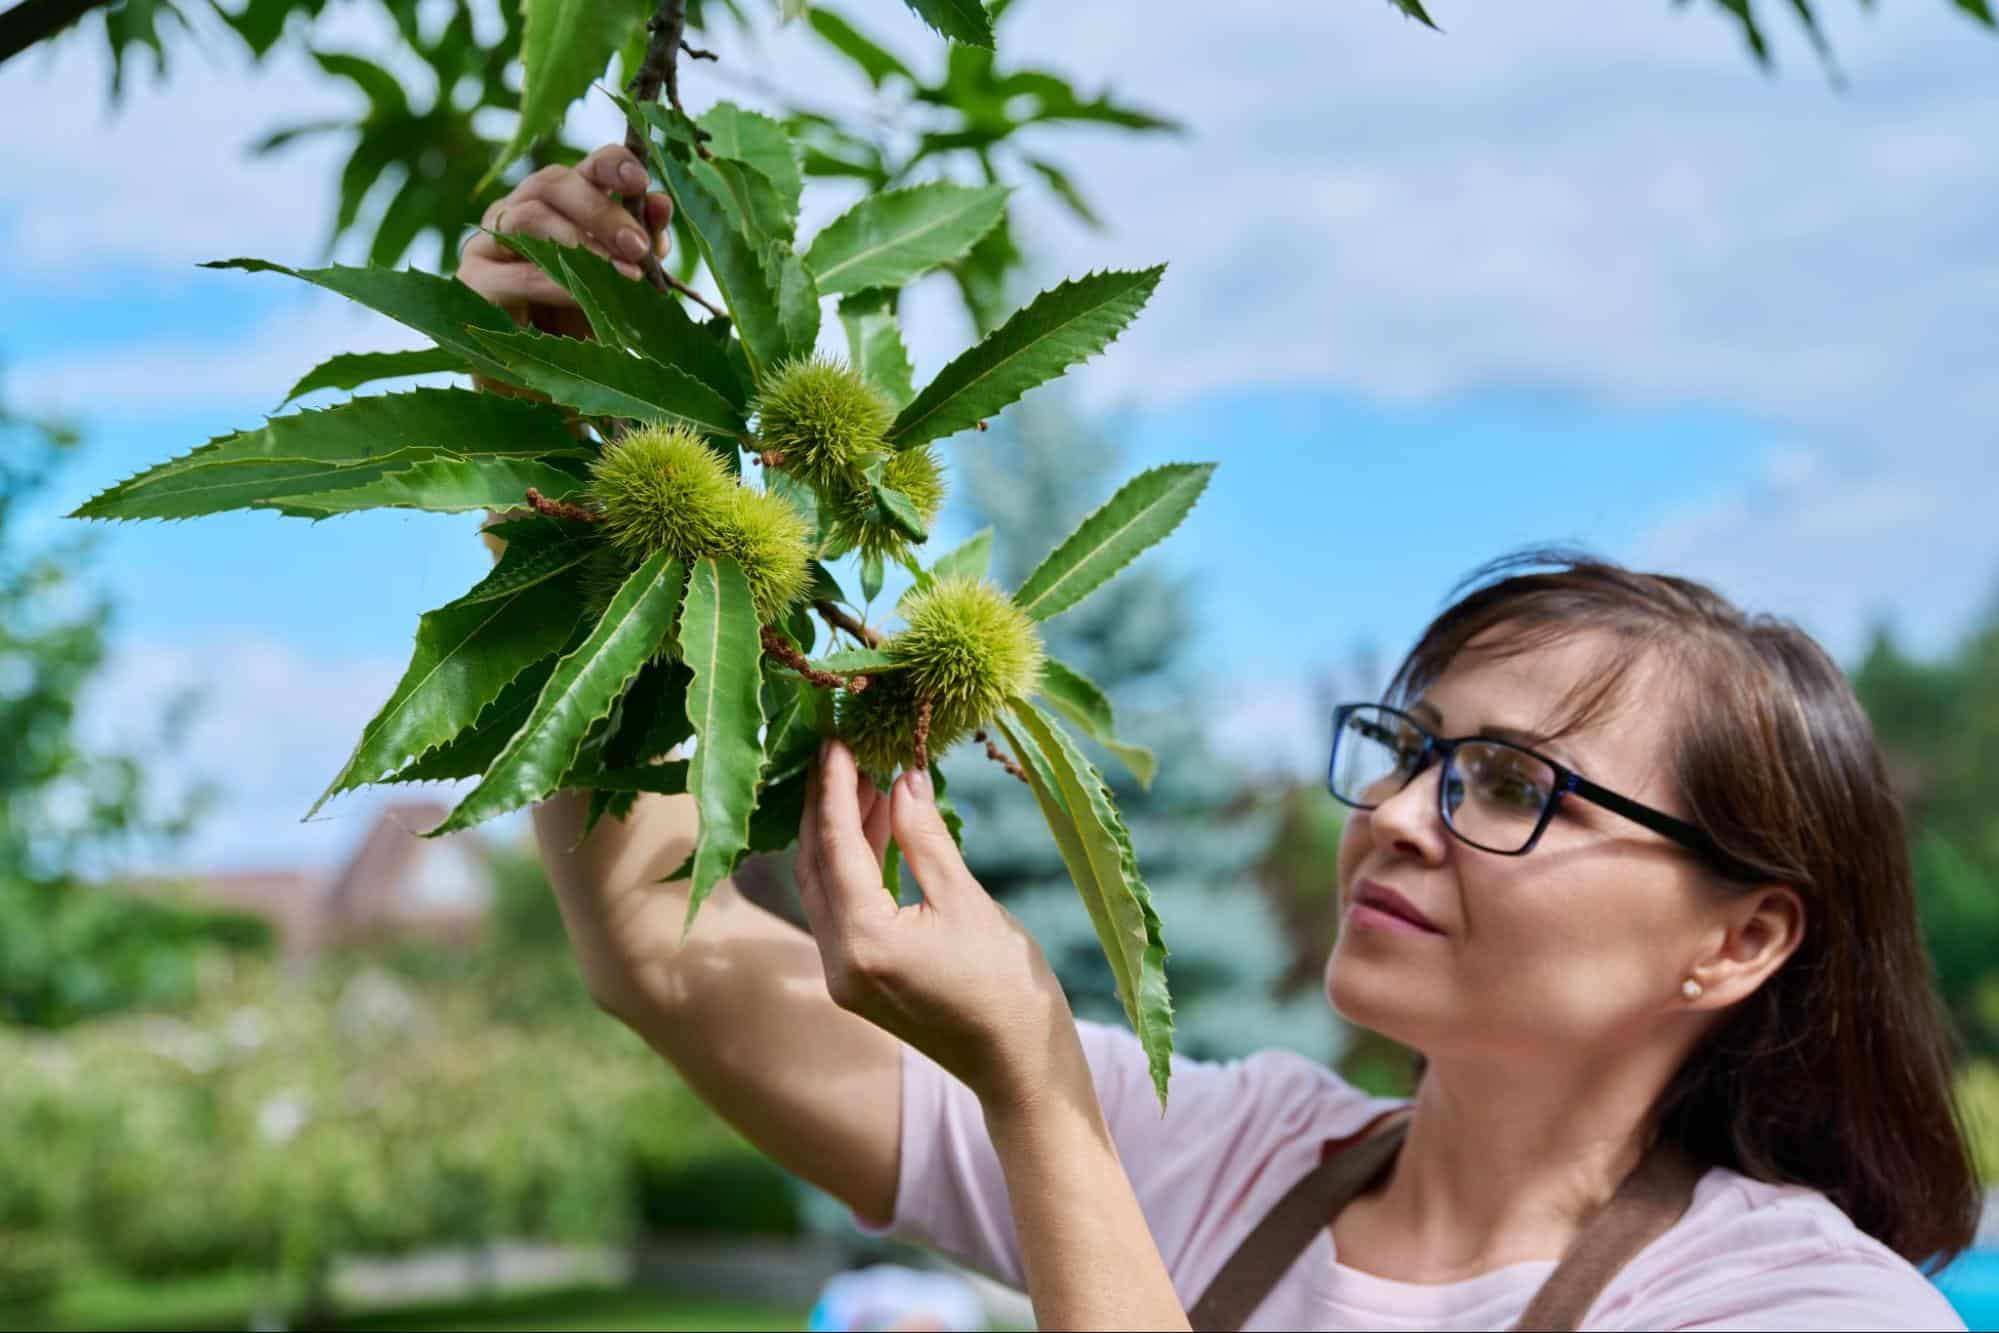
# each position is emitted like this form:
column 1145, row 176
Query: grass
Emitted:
column 226, row 1301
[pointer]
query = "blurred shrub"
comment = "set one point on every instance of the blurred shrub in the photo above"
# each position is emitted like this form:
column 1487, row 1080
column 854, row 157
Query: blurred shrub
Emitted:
column 283, row 1121
column 71, row 951
column 1978, row 1099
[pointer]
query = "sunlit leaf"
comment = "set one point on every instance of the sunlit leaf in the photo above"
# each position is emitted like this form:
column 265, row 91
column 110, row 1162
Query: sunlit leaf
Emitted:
column 1053, row 332
column 583, row 688
column 1145, row 510
column 721, row 645
column 350, row 370
column 889, row 238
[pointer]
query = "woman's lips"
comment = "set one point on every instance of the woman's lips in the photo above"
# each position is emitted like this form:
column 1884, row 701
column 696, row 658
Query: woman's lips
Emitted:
column 1378, row 907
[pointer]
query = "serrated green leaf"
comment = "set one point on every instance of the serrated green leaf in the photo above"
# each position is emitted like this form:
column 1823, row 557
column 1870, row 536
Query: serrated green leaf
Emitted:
column 1145, row 510
column 720, row 643
column 604, row 381
column 565, row 46
column 1414, row 9
column 968, row 561
column 536, row 550
column 465, row 657
column 774, row 823
column 961, row 20
column 1065, row 190
column 468, row 754
column 668, row 779
column 803, row 720
column 900, row 512
column 1097, row 850
column 769, row 294
column 441, row 486
column 891, row 237
column 440, row 308
column 582, row 690
column 875, row 61
column 866, row 661
column 1053, row 332
column 1078, row 698
column 651, row 720
column 350, row 370
column 874, row 344
column 756, row 140
column 306, row 450
column 826, row 588
column 631, row 315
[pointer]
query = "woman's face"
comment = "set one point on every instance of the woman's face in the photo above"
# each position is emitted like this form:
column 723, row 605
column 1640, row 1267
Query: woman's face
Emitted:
column 1580, row 946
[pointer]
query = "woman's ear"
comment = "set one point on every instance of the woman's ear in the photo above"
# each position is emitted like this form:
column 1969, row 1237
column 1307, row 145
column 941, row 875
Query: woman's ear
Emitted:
column 1761, row 930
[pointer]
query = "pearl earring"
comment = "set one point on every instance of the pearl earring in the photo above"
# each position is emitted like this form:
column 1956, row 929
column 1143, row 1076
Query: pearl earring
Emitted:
column 1691, row 989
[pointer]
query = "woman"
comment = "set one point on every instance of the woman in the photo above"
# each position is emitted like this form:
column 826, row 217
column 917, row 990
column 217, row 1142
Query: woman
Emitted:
column 1621, row 862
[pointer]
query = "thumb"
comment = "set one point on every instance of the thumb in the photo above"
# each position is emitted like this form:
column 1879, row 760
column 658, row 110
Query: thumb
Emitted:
column 926, row 843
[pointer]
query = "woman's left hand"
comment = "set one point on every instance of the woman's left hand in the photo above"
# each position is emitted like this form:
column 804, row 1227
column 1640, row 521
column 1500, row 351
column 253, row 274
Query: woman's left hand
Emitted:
column 956, row 976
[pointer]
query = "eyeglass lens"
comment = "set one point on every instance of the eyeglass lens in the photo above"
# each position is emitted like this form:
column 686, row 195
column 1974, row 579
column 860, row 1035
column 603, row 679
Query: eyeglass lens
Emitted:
column 1494, row 793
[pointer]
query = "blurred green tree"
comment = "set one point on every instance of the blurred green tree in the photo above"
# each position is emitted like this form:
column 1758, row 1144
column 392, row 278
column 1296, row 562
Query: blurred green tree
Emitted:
column 1197, row 836
column 1938, row 724
column 70, row 949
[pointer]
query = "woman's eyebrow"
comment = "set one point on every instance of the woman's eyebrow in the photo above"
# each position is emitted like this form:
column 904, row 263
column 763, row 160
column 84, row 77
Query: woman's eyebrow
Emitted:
column 1522, row 736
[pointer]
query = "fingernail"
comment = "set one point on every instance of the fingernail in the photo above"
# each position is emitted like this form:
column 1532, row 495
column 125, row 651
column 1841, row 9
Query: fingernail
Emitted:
column 633, row 243
column 919, row 785
column 629, row 270
column 631, row 177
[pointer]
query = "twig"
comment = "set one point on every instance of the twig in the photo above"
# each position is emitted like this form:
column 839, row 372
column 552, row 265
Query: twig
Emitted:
column 787, row 652
column 923, row 733
column 659, row 70
column 677, row 285
column 999, row 756
column 548, row 508
column 839, row 619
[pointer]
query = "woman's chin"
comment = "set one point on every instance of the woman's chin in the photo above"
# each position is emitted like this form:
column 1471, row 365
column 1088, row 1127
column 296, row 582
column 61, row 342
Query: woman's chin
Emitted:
column 1364, row 997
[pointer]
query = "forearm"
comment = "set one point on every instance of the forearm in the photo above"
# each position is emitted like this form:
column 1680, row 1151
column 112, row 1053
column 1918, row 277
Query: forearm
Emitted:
column 1086, row 1250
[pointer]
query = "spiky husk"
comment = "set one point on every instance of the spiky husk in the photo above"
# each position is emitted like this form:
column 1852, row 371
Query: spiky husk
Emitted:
column 917, row 473
column 768, row 539
column 662, row 488
column 824, row 419
column 967, row 648
column 879, row 726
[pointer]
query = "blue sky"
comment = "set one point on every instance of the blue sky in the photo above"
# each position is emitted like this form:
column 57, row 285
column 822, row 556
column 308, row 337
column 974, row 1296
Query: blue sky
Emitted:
column 1430, row 298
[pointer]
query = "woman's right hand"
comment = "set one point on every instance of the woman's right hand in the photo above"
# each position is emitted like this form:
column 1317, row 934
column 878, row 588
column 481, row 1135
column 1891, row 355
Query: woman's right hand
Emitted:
column 571, row 206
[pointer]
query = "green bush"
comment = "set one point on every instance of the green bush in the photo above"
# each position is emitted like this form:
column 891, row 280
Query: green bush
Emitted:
column 282, row 1121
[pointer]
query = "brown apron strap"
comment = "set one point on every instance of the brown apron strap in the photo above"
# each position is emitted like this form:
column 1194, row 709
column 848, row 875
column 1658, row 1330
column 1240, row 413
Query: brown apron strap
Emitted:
column 1651, row 1199
column 1269, row 1251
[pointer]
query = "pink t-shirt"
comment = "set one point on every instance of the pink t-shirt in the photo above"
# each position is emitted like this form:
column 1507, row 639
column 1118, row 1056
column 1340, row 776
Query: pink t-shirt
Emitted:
column 1237, row 1136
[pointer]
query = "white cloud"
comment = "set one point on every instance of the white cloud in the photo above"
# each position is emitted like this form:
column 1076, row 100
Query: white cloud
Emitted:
column 273, row 727
column 175, row 373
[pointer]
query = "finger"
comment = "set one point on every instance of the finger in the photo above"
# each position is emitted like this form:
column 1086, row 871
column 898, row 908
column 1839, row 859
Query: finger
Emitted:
column 806, row 863
column 614, row 167
column 659, row 212
column 874, row 818
column 850, row 877
column 513, row 284
column 597, row 216
column 926, row 843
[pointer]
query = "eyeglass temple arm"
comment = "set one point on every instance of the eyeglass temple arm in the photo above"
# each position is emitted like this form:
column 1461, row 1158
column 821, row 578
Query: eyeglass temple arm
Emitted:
column 1679, row 830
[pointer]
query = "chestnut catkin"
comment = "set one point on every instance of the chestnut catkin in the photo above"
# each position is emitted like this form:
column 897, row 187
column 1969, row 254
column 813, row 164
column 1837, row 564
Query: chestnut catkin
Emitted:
column 823, row 420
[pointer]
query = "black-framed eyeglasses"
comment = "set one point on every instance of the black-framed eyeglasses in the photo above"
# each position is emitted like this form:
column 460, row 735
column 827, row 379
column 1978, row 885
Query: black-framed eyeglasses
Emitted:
column 1493, row 794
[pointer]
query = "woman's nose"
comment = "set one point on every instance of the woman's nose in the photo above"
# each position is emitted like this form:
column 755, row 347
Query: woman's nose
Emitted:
column 1410, row 820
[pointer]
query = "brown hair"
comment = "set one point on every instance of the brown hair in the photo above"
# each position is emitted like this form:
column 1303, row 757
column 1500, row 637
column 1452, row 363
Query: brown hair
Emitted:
column 1836, row 1073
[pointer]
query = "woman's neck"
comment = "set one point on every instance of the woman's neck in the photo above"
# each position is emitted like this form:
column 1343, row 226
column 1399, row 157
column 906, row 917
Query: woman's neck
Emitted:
column 1502, row 1165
